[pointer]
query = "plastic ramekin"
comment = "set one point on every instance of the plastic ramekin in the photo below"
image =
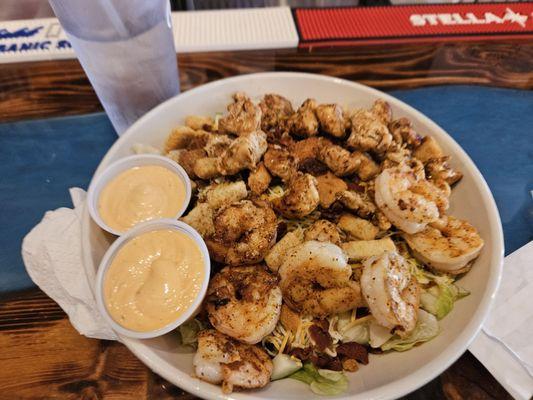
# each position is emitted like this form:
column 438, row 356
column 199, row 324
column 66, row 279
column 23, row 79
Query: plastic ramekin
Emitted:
column 99, row 183
column 145, row 227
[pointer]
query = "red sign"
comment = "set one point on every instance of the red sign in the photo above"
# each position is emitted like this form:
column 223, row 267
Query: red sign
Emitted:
column 417, row 22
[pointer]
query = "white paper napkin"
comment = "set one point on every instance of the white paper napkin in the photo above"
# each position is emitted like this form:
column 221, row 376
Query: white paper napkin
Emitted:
column 53, row 257
column 505, row 344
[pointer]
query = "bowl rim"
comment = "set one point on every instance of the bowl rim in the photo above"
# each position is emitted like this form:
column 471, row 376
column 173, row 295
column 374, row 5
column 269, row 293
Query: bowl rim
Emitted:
column 393, row 389
column 102, row 177
column 140, row 229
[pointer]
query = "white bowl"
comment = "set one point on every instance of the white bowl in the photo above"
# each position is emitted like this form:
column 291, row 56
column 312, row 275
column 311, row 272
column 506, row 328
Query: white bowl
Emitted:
column 110, row 254
column 102, row 177
column 386, row 376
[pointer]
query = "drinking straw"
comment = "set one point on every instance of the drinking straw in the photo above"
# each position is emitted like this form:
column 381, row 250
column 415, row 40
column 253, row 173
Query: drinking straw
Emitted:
column 115, row 18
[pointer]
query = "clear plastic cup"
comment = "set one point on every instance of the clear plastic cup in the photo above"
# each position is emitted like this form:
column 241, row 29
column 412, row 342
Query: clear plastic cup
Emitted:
column 126, row 48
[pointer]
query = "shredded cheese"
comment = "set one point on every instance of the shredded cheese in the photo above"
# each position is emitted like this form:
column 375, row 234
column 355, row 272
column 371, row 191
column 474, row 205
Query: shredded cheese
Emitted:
column 353, row 315
column 284, row 342
column 355, row 322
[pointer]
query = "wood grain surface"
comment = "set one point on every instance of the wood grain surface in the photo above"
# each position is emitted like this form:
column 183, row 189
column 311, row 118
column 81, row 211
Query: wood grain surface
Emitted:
column 58, row 88
column 43, row 357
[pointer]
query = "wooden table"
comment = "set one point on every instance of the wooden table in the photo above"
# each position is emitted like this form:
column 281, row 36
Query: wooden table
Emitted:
column 42, row 356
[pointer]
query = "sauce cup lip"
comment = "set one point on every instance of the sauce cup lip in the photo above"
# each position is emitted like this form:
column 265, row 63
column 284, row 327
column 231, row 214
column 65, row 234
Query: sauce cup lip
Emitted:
column 145, row 227
column 102, row 179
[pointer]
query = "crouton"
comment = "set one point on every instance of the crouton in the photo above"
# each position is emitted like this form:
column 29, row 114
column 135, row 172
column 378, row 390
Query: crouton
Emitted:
column 201, row 219
column 277, row 253
column 362, row 249
column 357, row 228
column 206, row 167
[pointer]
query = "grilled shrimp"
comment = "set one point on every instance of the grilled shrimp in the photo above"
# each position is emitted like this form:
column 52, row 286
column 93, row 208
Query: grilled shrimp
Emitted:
column 397, row 194
column 448, row 249
column 244, row 232
column 390, row 291
column 315, row 280
column 300, row 199
column 234, row 365
column 244, row 302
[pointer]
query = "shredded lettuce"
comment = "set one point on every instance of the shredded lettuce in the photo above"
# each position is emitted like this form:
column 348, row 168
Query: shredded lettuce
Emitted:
column 322, row 381
column 426, row 329
column 439, row 292
column 439, row 299
column 358, row 333
column 284, row 365
column 189, row 332
column 378, row 334
column 347, row 330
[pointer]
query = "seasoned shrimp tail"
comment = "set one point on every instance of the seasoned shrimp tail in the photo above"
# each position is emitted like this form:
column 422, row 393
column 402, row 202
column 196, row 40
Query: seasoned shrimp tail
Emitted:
column 315, row 280
column 448, row 249
column 244, row 233
column 392, row 294
column 397, row 194
column 224, row 361
column 244, row 302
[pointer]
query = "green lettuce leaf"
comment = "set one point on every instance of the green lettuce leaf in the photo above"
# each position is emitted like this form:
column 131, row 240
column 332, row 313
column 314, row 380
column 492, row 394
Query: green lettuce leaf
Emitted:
column 322, row 381
column 284, row 365
column 378, row 335
column 358, row 333
column 440, row 297
column 189, row 332
column 426, row 329
column 348, row 332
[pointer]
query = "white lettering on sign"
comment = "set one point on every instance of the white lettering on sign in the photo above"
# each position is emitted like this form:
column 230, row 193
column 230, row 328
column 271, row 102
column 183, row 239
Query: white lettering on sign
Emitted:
column 468, row 18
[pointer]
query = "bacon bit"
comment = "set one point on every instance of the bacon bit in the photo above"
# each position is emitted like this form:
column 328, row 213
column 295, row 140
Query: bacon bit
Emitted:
column 320, row 337
column 354, row 351
column 301, row 354
column 322, row 323
column 374, row 350
column 325, row 361
column 334, row 364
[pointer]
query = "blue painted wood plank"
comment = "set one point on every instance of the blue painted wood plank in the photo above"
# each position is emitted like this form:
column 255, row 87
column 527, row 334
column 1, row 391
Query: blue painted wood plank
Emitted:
column 41, row 159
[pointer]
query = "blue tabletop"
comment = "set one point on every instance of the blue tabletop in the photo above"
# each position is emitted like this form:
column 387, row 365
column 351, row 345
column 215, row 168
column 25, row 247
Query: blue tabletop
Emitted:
column 41, row 159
